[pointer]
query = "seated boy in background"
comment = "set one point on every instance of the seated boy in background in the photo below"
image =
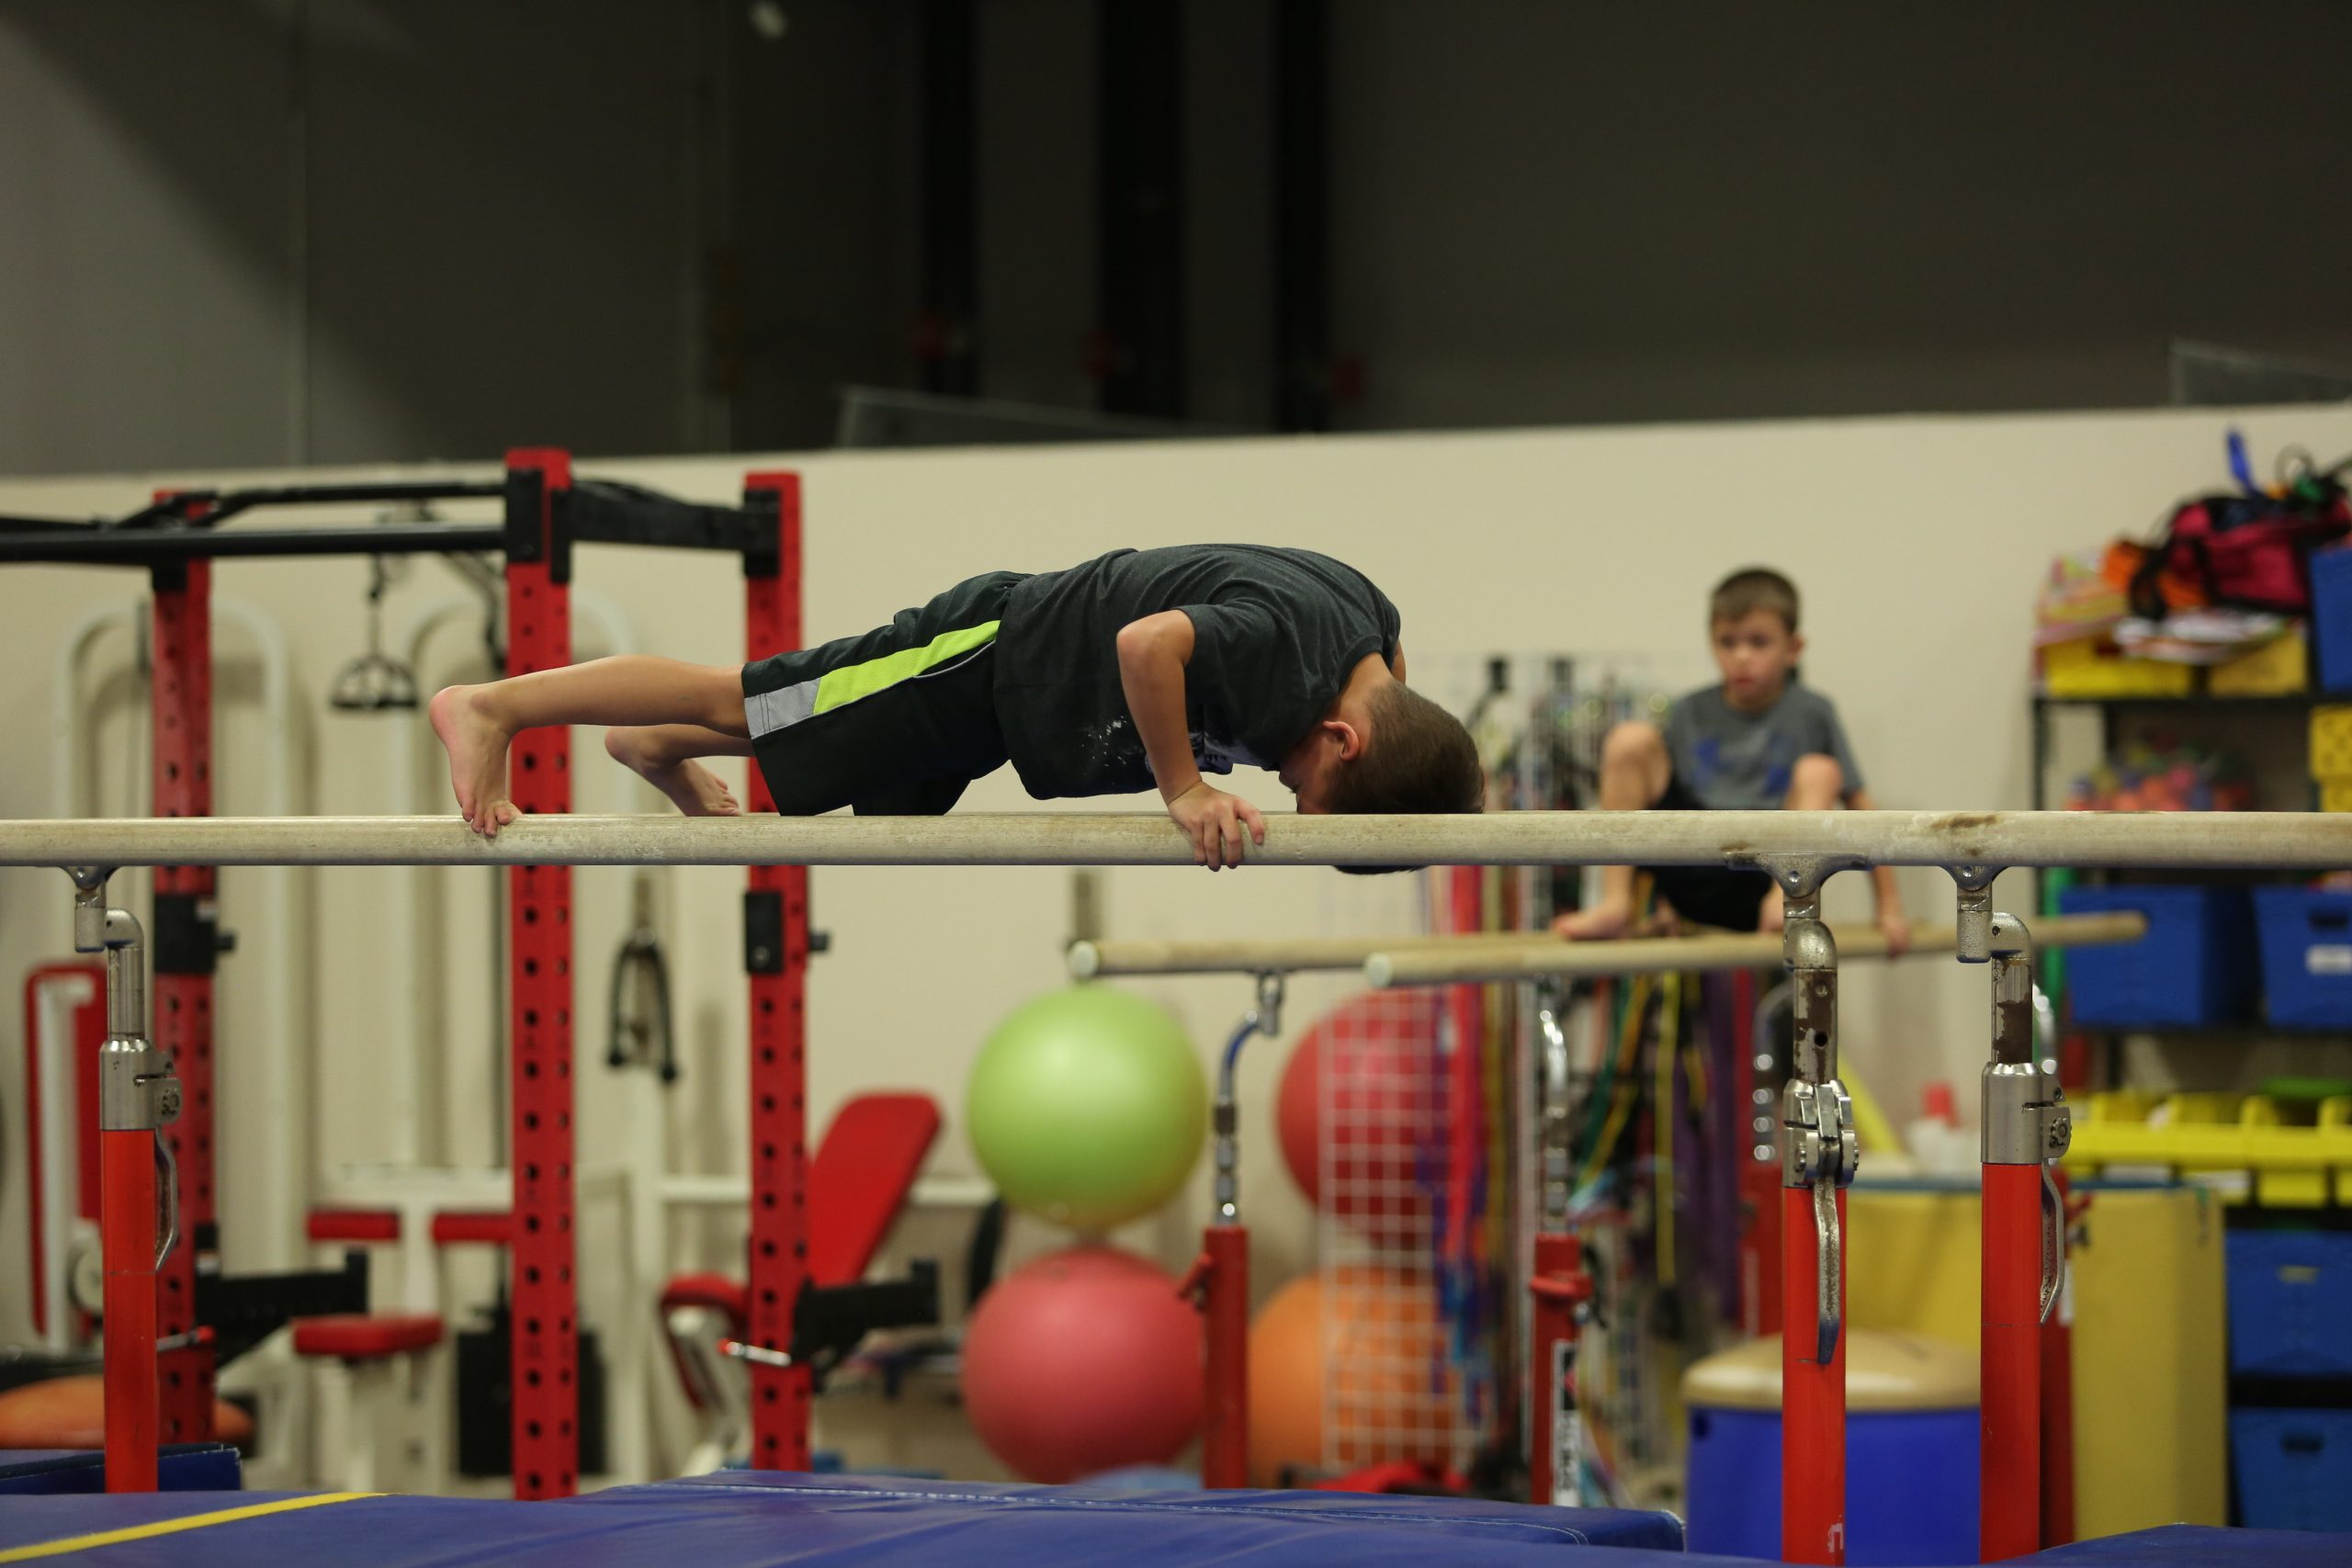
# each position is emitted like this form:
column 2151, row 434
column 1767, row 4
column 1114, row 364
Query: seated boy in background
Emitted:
column 1760, row 741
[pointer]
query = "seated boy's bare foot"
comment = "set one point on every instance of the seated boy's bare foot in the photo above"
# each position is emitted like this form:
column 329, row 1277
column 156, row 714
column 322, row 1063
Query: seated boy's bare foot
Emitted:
column 1771, row 916
column 476, row 746
column 1602, row 922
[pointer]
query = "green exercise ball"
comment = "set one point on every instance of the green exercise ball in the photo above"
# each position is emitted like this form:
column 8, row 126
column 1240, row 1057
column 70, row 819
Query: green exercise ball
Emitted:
column 1087, row 1107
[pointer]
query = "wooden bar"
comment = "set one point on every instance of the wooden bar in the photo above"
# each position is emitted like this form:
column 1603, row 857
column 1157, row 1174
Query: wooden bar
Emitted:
column 1543, row 958
column 2279, row 840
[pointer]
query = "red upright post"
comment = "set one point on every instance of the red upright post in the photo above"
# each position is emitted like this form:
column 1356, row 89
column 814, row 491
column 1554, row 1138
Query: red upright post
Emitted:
column 2010, row 1518
column 1817, row 1160
column 2025, row 1124
column 776, row 955
column 1220, row 1277
column 186, row 953
column 133, row 1419
column 1812, row 1442
column 1560, row 1288
column 546, row 1327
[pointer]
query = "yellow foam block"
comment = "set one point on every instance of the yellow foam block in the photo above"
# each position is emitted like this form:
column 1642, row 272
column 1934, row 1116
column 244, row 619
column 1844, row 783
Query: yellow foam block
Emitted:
column 2151, row 1363
column 2146, row 1292
column 2336, row 795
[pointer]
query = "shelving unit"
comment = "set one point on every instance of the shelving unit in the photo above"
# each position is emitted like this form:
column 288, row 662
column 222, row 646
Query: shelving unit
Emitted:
column 2261, row 1397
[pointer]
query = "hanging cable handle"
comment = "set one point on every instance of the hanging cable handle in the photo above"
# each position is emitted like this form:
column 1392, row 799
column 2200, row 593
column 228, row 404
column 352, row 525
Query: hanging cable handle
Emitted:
column 641, row 968
column 375, row 681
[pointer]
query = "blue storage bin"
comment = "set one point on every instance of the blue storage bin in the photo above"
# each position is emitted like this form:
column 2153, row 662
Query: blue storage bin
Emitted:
column 1911, row 1485
column 2332, row 619
column 2290, row 1301
column 2293, row 1468
column 2197, row 965
column 1911, row 1450
column 2306, row 956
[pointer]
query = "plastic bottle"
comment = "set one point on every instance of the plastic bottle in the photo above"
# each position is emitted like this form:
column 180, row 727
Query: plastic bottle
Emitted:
column 1939, row 1144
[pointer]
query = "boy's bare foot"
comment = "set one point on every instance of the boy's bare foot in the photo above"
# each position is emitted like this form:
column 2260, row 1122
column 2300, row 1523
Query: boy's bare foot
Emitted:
column 692, row 789
column 1602, row 922
column 1772, row 916
column 476, row 746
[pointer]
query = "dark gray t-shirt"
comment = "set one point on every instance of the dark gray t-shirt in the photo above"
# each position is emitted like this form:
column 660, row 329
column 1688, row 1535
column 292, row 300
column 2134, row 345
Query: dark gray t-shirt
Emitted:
column 1275, row 633
column 1744, row 761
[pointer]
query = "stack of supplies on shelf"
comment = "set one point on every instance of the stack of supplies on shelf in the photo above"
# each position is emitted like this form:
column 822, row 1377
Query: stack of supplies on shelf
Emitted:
column 2160, row 773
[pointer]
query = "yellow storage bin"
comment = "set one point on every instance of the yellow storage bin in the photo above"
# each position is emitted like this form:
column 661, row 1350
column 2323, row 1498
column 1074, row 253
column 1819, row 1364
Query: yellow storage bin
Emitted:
column 2280, row 667
column 2085, row 669
column 2229, row 1135
column 2331, row 743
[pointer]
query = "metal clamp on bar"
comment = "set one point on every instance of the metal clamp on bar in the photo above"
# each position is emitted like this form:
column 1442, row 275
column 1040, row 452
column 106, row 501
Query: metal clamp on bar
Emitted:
column 1558, row 1162
column 2026, row 1120
column 1974, row 924
column 137, row 1090
column 1819, row 1148
column 1265, row 1018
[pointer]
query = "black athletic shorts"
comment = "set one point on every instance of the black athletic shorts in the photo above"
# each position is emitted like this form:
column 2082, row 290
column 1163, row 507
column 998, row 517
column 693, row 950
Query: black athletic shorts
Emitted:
column 1721, row 896
column 892, row 723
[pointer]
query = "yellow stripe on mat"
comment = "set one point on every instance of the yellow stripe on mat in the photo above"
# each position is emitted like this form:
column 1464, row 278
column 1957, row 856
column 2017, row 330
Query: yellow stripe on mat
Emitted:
column 174, row 1527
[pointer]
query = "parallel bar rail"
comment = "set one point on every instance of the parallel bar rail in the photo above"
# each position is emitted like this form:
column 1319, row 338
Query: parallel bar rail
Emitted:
column 2186, row 841
column 1547, row 959
column 1422, row 959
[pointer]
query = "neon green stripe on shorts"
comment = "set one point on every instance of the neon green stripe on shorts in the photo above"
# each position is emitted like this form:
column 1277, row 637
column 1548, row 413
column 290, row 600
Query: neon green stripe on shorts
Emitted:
column 839, row 688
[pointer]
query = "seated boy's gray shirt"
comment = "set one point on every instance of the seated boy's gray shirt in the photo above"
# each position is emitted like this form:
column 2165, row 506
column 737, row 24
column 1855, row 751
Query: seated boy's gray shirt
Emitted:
column 1745, row 762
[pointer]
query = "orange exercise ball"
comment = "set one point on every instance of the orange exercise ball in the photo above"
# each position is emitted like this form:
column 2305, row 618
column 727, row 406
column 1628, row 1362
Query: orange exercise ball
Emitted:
column 1379, row 1054
column 1082, row 1361
column 70, row 1413
column 1363, row 1347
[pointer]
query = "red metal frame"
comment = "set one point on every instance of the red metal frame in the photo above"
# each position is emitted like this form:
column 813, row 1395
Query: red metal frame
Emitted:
column 1219, row 1283
column 181, row 716
column 546, row 1328
column 1467, row 1076
column 778, row 1264
column 1560, row 1287
column 89, row 1033
column 2009, row 1518
column 1812, row 1404
column 134, row 1413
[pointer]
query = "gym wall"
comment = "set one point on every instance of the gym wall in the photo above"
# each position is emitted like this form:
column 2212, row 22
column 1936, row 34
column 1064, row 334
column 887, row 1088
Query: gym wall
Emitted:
column 1918, row 544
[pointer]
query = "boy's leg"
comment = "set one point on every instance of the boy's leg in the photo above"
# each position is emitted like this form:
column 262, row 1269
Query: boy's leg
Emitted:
column 1634, row 771
column 475, row 724
column 896, row 721
column 663, row 755
column 1815, row 783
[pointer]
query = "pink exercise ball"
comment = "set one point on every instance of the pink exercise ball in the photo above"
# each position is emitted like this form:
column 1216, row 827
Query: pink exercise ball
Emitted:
column 1379, row 1053
column 1082, row 1361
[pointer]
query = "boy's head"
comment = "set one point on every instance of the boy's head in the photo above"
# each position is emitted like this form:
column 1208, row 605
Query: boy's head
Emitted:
column 1408, row 755
column 1752, row 629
